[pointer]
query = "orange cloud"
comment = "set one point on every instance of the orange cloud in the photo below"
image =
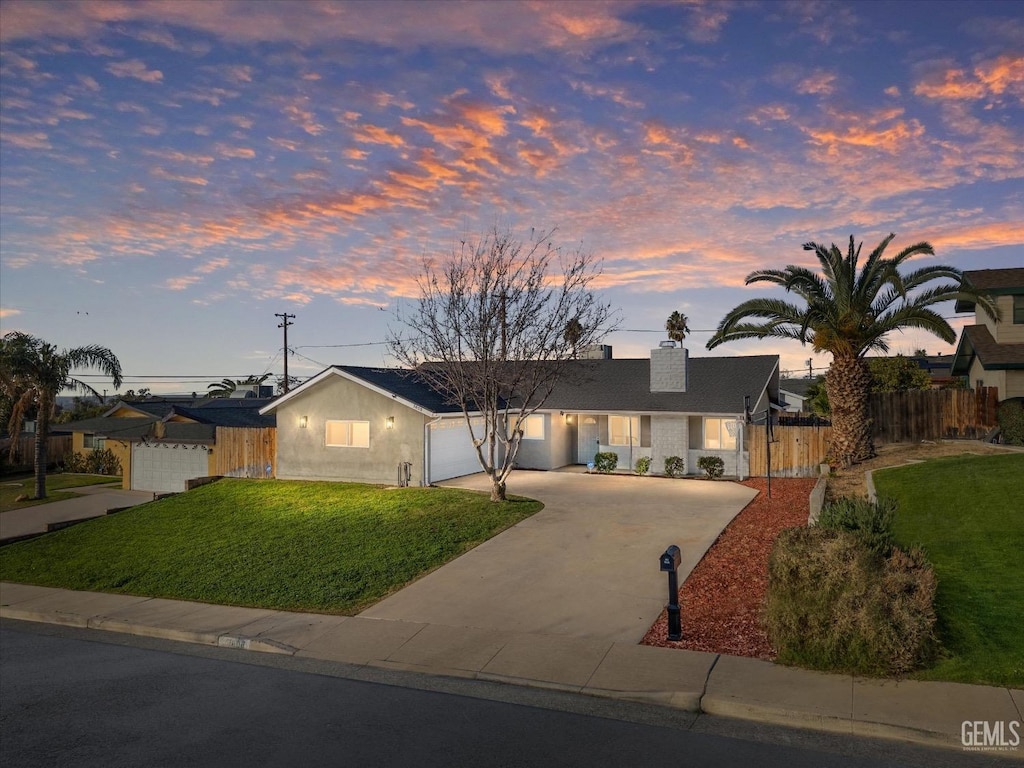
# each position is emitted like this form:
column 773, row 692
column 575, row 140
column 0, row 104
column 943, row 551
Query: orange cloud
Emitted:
column 374, row 134
column 136, row 69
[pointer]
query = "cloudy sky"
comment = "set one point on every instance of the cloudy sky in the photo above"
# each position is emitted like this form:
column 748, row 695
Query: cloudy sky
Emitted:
column 175, row 173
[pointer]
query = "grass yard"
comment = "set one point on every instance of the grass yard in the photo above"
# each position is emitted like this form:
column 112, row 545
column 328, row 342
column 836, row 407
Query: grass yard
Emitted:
column 13, row 487
column 967, row 513
column 305, row 546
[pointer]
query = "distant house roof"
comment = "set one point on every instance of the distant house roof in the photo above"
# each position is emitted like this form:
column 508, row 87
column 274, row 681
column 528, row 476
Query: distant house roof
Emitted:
column 997, row 282
column 204, row 418
column 976, row 340
column 797, row 387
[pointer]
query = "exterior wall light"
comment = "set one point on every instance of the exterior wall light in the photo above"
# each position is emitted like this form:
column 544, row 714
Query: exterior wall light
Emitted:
column 303, row 422
column 390, row 423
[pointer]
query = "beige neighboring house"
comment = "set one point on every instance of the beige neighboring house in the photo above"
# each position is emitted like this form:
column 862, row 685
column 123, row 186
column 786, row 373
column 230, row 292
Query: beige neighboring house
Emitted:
column 388, row 426
column 991, row 353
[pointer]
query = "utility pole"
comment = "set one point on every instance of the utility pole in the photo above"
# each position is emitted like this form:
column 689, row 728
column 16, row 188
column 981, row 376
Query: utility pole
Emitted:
column 810, row 368
column 284, row 324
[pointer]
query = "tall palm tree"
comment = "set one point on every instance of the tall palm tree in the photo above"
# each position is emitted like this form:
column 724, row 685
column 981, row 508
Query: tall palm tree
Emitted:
column 677, row 327
column 32, row 374
column 848, row 313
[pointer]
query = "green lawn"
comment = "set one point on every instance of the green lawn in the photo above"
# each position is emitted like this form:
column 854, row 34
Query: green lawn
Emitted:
column 332, row 547
column 967, row 513
column 13, row 487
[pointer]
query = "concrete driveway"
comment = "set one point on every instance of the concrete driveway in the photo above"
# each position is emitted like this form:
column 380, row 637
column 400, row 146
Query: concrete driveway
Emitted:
column 93, row 501
column 587, row 565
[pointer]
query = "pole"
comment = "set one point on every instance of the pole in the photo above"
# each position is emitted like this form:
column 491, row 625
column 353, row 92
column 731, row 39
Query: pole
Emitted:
column 768, row 446
column 284, row 324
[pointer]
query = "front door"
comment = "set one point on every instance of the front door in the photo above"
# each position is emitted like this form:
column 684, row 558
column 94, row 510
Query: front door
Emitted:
column 588, row 442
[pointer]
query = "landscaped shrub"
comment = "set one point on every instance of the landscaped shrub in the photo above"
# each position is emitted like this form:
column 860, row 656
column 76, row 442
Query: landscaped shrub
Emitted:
column 100, row 462
column 869, row 521
column 833, row 604
column 643, row 465
column 606, row 461
column 674, row 466
column 1011, row 422
column 713, row 466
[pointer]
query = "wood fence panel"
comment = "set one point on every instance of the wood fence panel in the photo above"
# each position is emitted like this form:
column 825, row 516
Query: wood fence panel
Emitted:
column 933, row 414
column 246, row 452
column 795, row 451
column 57, row 446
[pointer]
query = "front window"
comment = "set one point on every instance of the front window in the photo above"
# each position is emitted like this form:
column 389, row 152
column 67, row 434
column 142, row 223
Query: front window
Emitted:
column 623, row 430
column 348, row 434
column 720, row 434
column 1018, row 310
column 93, row 442
column 533, row 427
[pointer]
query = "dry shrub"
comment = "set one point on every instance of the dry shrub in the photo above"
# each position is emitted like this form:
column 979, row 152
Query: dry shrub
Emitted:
column 833, row 604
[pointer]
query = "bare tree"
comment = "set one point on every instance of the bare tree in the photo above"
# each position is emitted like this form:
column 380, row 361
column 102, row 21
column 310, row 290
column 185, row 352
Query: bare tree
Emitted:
column 489, row 330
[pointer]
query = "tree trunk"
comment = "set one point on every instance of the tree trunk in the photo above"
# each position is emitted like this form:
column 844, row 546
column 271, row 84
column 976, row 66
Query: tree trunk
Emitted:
column 42, row 433
column 848, row 382
column 497, row 489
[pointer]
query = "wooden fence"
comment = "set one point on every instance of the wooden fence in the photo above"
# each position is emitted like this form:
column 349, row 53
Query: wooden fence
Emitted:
column 57, row 447
column 795, row 451
column 246, row 452
column 897, row 417
column 933, row 414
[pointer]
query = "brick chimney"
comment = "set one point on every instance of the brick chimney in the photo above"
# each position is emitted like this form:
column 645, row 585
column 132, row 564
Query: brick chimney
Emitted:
column 669, row 367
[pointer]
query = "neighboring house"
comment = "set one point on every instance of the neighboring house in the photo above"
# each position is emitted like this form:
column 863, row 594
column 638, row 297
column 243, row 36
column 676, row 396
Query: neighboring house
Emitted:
column 991, row 353
column 938, row 367
column 162, row 443
column 386, row 425
column 793, row 394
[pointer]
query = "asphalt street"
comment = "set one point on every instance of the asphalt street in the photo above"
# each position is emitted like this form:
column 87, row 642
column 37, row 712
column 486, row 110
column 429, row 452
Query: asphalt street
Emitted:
column 74, row 697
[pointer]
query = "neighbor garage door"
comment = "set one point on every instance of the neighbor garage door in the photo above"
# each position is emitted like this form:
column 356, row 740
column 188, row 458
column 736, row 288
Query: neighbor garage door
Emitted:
column 451, row 450
column 164, row 468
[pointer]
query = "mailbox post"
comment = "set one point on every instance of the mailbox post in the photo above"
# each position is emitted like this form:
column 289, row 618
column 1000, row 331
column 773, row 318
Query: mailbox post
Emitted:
column 670, row 564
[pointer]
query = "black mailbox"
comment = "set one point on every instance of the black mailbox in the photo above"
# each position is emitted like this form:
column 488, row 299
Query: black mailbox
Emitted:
column 671, row 559
column 670, row 563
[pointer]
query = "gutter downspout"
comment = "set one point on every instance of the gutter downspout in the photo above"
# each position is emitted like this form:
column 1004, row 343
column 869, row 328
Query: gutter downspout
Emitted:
column 426, row 450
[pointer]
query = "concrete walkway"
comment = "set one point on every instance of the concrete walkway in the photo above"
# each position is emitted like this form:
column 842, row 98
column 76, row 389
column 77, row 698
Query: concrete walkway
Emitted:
column 924, row 712
column 94, row 501
column 585, row 566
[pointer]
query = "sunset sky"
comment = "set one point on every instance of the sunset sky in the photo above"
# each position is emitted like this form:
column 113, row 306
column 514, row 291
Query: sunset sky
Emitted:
column 175, row 173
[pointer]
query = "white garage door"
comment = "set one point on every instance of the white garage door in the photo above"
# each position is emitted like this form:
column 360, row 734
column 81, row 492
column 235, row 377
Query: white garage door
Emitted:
column 165, row 468
column 451, row 450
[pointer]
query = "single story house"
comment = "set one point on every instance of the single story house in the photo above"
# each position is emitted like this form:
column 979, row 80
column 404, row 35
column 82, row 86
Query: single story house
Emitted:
column 387, row 425
column 163, row 443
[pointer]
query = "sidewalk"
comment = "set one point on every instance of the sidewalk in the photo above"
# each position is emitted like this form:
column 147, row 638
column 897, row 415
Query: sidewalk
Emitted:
column 924, row 712
column 93, row 501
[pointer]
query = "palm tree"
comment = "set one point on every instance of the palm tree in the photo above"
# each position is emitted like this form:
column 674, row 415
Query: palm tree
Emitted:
column 33, row 373
column 676, row 326
column 848, row 313
column 225, row 387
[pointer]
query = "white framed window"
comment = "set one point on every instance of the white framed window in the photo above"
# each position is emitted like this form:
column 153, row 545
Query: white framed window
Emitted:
column 93, row 442
column 720, row 434
column 533, row 427
column 348, row 434
column 623, row 430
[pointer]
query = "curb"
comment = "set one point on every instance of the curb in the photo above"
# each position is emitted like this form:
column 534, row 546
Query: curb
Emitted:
column 690, row 701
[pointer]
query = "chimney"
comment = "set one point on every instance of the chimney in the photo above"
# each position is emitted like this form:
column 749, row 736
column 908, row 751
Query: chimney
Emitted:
column 668, row 367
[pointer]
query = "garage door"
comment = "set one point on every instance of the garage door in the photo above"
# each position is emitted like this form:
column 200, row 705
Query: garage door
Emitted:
column 165, row 468
column 451, row 450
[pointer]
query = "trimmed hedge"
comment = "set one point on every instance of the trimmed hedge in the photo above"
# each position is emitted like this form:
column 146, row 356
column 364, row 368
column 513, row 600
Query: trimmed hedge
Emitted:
column 606, row 461
column 643, row 465
column 675, row 466
column 713, row 466
column 1010, row 416
column 836, row 605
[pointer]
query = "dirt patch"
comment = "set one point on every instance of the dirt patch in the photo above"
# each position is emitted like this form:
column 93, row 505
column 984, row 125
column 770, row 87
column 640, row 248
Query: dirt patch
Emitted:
column 852, row 481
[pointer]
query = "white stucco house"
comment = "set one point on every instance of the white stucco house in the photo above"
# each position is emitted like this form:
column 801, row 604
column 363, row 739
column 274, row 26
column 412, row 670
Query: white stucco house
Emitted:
column 387, row 425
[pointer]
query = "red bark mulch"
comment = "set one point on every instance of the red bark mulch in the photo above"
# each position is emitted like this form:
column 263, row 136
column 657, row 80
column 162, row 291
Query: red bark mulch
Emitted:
column 721, row 600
